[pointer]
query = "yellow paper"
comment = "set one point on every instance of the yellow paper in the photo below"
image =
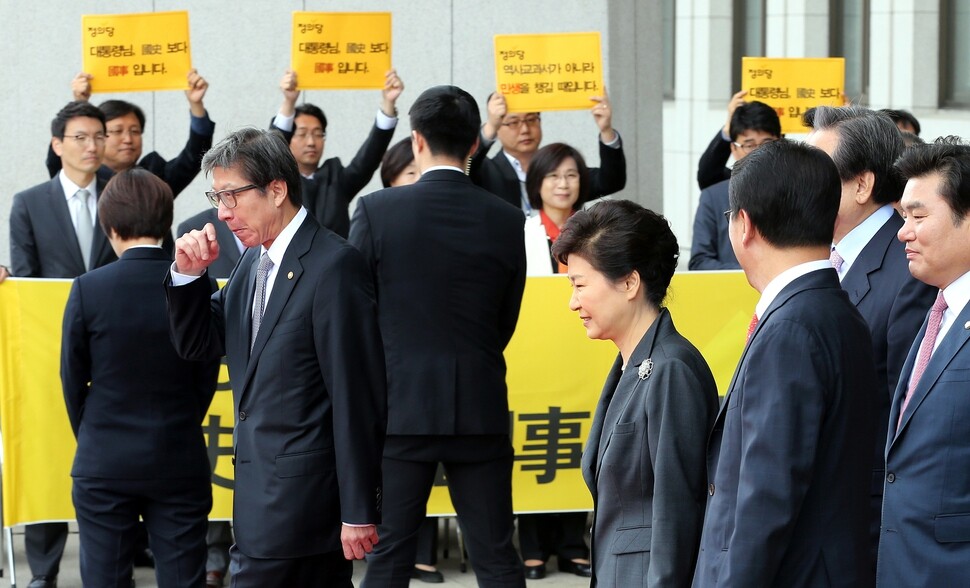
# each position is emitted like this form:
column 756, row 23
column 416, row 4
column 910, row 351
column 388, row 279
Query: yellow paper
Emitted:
column 341, row 50
column 793, row 85
column 548, row 72
column 555, row 378
column 136, row 52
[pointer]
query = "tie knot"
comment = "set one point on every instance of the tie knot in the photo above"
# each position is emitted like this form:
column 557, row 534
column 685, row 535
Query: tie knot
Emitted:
column 836, row 260
column 83, row 195
column 265, row 263
column 940, row 304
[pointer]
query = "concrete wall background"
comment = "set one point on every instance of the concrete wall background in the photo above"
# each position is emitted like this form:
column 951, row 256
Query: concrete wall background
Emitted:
column 243, row 47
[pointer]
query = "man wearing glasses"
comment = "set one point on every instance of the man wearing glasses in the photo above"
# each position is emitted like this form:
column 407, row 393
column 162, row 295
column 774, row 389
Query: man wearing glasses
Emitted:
column 329, row 188
column 520, row 134
column 54, row 233
column 125, row 125
column 752, row 124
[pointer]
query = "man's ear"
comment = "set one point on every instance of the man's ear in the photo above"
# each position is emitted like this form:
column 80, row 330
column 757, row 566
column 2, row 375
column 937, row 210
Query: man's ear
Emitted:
column 57, row 144
column 863, row 184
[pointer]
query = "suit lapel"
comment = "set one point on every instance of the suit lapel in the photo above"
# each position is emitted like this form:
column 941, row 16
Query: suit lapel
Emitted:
column 856, row 282
column 287, row 277
column 591, row 460
column 954, row 340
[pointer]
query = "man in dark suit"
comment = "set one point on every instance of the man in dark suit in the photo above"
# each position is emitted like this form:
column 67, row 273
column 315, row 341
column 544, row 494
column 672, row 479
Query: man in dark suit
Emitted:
column 448, row 260
column 135, row 407
column 797, row 417
column 925, row 525
column 125, row 123
column 329, row 188
column 752, row 124
column 54, row 234
column 520, row 134
column 870, row 259
column 298, row 326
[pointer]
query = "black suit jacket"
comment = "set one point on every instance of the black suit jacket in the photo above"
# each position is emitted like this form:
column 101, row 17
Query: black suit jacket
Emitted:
column 497, row 175
column 711, row 245
column 893, row 304
column 43, row 242
column 448, row 260
column 711, row 168
column 135, row 407
column 333, row 186
column 310, row 399
column 177, row 173
column 790, row 454
column 228, row 250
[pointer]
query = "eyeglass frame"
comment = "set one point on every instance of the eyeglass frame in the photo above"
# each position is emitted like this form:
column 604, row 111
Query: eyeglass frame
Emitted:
column 83, row 138
column 525, row 120
column 307, row 134
column 121, row 132
column 748, row 148
column 225, row 196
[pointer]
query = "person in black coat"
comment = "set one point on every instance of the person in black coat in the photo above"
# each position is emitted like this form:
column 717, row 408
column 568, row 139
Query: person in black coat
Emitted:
column 135, row 407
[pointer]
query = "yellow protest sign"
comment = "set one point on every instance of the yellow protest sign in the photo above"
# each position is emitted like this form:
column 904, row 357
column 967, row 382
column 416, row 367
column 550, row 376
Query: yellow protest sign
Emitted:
column 793, row 85
column 136, row 52
column 555, row 377
column 548, row 72
column 341, row 50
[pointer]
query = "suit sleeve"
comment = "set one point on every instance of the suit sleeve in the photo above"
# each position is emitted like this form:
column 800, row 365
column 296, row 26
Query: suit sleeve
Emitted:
column 711, row 167
column 782, row 413
column 512, row 302
column 355, row 176
column 196, row 321
column 287, row 135
column 24, row 257
column 610, row 177
column 905, row 319
column 179, row 172
column 703, row 248
column 680, row 411
column 351, row 357
column 360, row 236
column 75, row 358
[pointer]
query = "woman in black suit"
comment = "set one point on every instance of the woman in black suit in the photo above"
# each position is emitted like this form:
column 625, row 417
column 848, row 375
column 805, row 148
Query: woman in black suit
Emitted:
column 645, row 458
column 135, row 407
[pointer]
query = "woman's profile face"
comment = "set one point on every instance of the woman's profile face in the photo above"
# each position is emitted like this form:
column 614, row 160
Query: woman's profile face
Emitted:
column 408, row 176
column 602, row 304
column 560, row 187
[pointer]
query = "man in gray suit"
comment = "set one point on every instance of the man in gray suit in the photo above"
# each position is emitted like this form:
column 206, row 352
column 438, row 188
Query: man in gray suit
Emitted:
column 54, row 233
column 789, row 458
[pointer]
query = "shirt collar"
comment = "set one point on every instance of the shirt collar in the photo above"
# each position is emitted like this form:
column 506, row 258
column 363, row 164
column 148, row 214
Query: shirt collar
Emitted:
column 448, row 167
column 282, row 241
column 957, row 295
column 786, row 277
column 515, row 165
column 856, row 240
column 70, row 188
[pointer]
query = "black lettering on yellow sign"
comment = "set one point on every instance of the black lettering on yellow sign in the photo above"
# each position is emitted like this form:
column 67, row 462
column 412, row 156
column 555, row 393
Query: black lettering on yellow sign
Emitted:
column 557, row 442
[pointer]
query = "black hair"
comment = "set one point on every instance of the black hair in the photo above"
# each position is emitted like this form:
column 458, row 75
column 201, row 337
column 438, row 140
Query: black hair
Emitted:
column 950, row 158
column 314, row 111
column 113, row 109
column 136, row 203
column 904, row 116
column 754, row 116
column 448, row 119
column 74, row 110
column 544, row 162
column 398, row 157
column 261, row 157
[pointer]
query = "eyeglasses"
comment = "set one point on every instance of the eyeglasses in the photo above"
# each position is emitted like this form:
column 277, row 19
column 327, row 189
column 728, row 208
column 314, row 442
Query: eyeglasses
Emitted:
column 83, row 138
column 227, row 197
column 318, row 135
column 748, row 147
column 516, row 123
column 727, row 215
column 568, row 177
column 121, row 132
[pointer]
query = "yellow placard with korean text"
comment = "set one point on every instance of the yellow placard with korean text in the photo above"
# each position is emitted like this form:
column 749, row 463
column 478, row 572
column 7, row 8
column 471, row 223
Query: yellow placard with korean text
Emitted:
column 136, row 52
column 555, row 378
column 341, row 50
column 558, row 71
column 793, row 85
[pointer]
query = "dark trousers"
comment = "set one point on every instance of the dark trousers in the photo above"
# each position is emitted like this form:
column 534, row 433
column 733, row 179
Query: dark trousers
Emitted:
column 174, row 512
column 218, row 540
column 325, row 570
column 44, row 543
column 479, row 476
column 427, row 542
column 547, row 534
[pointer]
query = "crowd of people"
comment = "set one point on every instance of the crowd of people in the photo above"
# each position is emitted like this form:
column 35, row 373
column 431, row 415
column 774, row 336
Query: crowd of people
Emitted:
column 365, row 352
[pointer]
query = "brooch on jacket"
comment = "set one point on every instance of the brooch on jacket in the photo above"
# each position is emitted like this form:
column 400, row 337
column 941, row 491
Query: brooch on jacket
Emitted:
column 645, row 369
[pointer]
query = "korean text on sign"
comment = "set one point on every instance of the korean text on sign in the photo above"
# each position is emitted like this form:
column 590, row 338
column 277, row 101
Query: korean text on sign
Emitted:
column 341, row 50
column 136, row 52
column 793, row 85
column 548, row 72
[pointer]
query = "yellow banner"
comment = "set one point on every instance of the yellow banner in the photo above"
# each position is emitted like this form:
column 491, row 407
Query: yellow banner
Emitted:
column 555, row 377
column 341, row 50
column 136, row 52
column 793, row 85
column 548, row 72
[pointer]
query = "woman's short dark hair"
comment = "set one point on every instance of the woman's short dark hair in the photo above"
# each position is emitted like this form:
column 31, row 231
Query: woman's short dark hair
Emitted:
column 136, row 203
column 396, row 159
column 617, row 237
column 544, row 162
